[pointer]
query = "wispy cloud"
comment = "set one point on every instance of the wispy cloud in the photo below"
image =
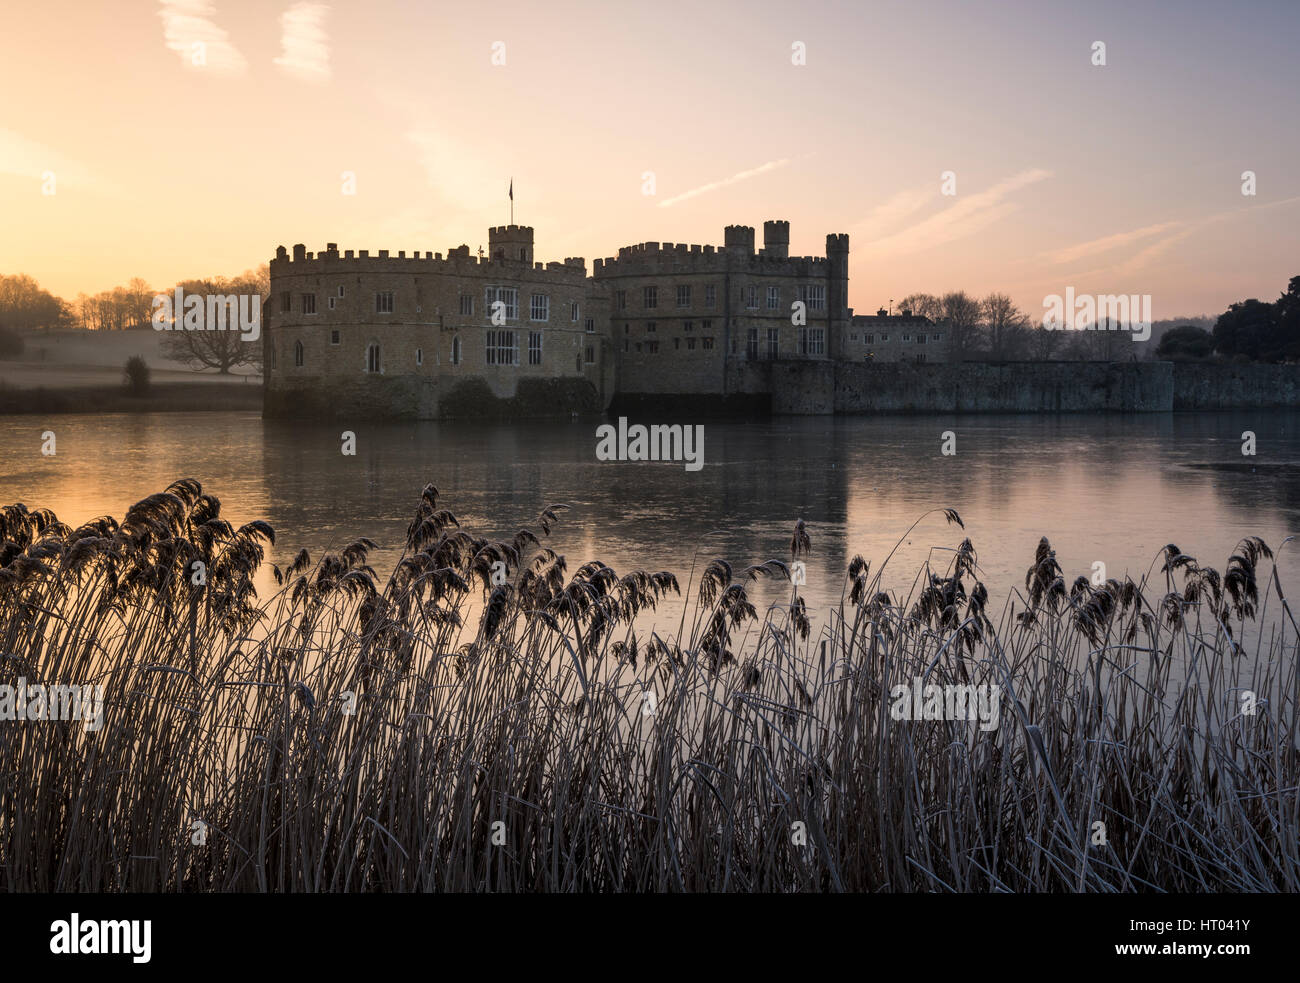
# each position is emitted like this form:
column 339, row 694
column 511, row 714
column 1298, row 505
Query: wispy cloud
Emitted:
column 24, row 157
column 771, row 165
column 189, row 31
column 967, row 215
column 304, row 42
column 1071, row 253
column 888, row 215
column 1173, row 233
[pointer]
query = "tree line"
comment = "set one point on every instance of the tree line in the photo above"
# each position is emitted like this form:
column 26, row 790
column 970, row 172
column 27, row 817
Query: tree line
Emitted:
column 25, row 306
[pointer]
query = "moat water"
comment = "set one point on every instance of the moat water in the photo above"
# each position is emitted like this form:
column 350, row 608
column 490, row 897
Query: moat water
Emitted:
column 1109, row 489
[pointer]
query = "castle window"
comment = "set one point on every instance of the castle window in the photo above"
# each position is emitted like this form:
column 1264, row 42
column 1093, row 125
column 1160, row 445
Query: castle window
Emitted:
column 590, row 354
column 573, row 312
column 331, row 300
column 384, row 303
column 340, row 290
column 651, row 327
column 523, row 254
column 638, row 347
column 297, row 354
column 620, row 296
column 624, row 344
column 870, row 339
column 706, row 325
column 812, row 341
column 591, row 325
column 309, row 303
column 501, row 348
column 751, row 347
column 455, row 350
column 677, row 344
column 466, row 304
column 920, row 339
column 652, row 347
column 541, row 308
column 707, row 344
column 684, row 295
column 938, row 336
column 508, row 298
column 690, row 344
column 751, row 298
column 688, row 325
column 286, row 302
column 334, row 337
column 773, row 298
column 534, row 348
column 907, row 337
column 813, row 295
column 650, row 297
column 372, row 357
column 773, row 341
column 884, row 337
column 710, row 295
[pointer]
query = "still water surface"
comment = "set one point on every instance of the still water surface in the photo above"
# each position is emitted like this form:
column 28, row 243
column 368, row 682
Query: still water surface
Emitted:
column 1113, row 489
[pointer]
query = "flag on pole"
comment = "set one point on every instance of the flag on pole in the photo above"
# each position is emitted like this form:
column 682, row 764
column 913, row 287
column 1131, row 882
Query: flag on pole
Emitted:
column 512, row 189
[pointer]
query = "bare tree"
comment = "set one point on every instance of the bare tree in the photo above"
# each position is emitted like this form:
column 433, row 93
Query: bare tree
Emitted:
column 1042, row 342
column 923, row 305
column 1005, row 327
column 222, row 350
column 961, row 313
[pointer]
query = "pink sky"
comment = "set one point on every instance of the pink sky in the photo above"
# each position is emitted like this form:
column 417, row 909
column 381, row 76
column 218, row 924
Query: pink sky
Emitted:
column 1117, row 179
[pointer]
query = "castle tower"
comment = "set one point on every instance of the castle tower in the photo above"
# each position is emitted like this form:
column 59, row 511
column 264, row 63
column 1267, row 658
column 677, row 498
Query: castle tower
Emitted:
column 837, row 293
column 511, row 244
column 739, row 239
column 776, row 239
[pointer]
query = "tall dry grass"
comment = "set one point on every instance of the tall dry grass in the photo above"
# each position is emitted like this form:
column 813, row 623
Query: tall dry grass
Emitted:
column 521, row 752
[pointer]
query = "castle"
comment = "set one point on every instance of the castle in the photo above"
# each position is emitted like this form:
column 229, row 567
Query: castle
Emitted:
column 501, row 334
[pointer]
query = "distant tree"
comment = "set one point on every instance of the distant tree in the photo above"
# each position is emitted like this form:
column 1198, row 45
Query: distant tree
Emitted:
column 1248, row 328
column 1042, row 343
column 220, row 350
column 138, row 300
column 1005, row 327
column 961, row 314
column 1185, row 343
column 923, row 305
column 24, row 305
column 1287, row 313
column 136, row 376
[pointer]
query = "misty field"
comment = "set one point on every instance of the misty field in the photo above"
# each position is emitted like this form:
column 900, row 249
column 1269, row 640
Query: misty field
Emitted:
column 485, row 719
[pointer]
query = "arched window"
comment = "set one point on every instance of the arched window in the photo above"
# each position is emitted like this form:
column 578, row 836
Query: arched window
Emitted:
column 455, row 350
column 297, row 354
column 372, row 357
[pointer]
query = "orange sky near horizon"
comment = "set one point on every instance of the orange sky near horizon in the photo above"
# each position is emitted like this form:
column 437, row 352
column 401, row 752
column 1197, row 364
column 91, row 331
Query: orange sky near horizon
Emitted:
column 1122, row 178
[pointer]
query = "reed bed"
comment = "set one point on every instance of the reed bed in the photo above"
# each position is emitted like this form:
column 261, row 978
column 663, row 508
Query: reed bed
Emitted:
column 442, row 730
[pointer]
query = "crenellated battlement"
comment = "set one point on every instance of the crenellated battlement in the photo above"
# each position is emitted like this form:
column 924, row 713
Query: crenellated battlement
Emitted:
column 458, row 260
column 736, row 255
